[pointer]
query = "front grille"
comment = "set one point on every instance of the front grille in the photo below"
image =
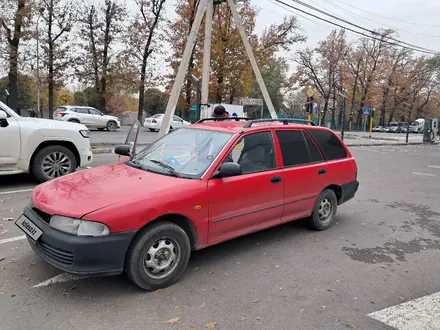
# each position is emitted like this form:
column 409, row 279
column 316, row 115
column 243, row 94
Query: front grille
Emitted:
column 45, row 216
column 61, row 256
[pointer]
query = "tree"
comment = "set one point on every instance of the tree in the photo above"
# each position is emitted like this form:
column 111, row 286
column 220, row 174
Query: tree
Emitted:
column 144, row 38
column 321, row 68
column 80, row 98
column 100, row 29
column 13, row 28
column 24, row 91
column 58, row 16
column 155, row 101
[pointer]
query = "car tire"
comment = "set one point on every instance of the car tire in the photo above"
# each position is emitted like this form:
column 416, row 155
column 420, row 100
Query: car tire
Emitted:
column 73, row 121
column 152, row 129
column 101, row 128
column 111, row 126
column 61, row 158
column 324, row 211
column 161, row 240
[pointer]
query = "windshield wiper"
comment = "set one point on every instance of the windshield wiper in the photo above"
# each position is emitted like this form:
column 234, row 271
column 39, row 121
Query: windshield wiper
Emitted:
column 166, row 166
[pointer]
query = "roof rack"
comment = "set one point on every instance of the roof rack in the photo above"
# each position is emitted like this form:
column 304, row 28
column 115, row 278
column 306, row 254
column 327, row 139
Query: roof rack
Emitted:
column 222, row 119
column 285, row 121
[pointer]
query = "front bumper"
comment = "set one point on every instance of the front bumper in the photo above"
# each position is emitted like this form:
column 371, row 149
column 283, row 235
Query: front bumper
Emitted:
column 86, row 156
column 348, row 191
column 79, row 255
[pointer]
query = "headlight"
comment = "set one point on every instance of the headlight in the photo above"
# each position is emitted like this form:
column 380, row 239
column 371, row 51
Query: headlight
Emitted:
column 79, row 227
column 85, row 133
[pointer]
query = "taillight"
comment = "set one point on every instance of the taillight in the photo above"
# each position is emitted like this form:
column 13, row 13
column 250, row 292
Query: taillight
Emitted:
column 154, row 121
column 61, row 114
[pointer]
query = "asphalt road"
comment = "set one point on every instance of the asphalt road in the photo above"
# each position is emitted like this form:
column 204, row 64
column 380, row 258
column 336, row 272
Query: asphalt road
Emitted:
column 383, row 251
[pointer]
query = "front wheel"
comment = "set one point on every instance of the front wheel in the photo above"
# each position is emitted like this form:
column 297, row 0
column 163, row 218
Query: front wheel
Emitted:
column 158, row 257
column 152, row 129
column 52, row 162
column 324, row 211
column 111, row 126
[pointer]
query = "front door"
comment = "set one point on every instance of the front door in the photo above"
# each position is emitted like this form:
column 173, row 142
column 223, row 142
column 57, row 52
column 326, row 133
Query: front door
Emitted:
column 10, row 146
column 96, row 119
column 131, row 140
column 251, row 201
column 83, row 116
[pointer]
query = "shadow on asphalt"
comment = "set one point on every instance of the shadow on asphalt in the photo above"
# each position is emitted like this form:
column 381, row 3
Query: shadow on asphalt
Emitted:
column 16, row 181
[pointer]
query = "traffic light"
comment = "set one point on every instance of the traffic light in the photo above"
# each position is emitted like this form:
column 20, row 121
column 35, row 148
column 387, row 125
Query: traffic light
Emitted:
column 307, row 105
column 311, row 104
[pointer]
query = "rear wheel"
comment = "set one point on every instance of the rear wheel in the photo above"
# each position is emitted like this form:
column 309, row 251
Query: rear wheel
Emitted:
column 101, row 128
column 74, row 121
column 158, row 257
column 52, row 162
column 324, row 211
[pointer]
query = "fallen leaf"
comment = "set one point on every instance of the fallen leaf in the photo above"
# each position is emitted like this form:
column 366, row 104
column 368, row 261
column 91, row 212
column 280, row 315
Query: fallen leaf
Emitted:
column 210, row 273
column 323, row 306
column 301, row 310
column 281, row 288
column 355, row 298
column 338, row 281
column 277, row 266
column 27, row 278
column 177, row 307
column 157, row 291
column 193, row 328
column 242, row 318
column 255, row 301
column 382, row 266
column 202, row 305
column 210, row 325
column 401, row 298
column 258, row 319
column 7, row 219
column 4, row 232
column 2, row 258
column 174, row 320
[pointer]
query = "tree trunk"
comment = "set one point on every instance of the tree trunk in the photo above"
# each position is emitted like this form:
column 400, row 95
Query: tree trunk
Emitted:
column 50, row 77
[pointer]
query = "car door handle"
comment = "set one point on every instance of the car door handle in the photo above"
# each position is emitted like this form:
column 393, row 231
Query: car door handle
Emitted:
column 322, row 171
column 276, row 179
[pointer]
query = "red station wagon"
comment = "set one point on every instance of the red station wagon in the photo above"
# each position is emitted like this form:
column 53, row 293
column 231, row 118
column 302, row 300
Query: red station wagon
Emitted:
column 195, row 187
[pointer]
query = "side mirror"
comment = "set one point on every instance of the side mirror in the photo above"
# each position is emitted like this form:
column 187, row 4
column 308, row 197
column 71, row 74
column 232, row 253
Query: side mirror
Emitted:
column 3, row 119
column 123, row 150
column 228, row 170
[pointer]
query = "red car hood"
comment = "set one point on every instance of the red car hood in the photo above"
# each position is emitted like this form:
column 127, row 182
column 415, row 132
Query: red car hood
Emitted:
column 82, row 192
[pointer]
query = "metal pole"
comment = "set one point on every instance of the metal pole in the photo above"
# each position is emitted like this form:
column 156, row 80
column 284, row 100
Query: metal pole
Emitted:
column 407, row 120
column 251, row 56
column 207, row 58
column 39, row 111
column 178, row 82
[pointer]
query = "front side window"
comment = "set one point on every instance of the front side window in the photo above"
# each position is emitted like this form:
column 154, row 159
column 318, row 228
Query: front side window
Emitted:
column 94, row 112
column 184, row 153
column 254, row 153
column 82, row 110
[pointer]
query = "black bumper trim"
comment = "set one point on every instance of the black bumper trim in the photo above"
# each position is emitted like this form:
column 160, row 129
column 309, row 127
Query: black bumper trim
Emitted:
column 79, row 255
column 348, row 191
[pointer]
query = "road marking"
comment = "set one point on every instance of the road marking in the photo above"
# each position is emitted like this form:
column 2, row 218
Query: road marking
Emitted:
column 15, row 191
column 420, row 313
column 12, row 239
column 434, row 166
column 61, row 278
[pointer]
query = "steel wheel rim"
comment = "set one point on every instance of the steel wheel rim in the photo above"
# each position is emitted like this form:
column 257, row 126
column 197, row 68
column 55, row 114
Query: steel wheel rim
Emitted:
column 161, row 258
column 325, row 209
column 56, row 164
column 111, row 126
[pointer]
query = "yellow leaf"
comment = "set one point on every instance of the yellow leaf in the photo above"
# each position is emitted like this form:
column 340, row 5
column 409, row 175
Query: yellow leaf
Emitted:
column 202, row 305
column 210, row 325
column 174, row 320
column 301, row 310
column 177, row 307
column 242, row 318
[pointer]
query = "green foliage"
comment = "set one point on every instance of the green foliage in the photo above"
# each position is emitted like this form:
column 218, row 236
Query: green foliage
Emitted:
column 80, row 98
column 155, row 101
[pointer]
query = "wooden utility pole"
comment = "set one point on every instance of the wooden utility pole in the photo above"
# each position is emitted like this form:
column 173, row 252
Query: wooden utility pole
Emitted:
column 178, row 82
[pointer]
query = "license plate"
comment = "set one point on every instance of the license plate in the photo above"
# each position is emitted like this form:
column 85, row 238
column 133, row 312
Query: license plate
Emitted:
column 29, row 227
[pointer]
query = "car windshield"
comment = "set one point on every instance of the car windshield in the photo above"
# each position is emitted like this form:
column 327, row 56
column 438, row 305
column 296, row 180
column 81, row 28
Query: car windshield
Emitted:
column 6, row 108
column 186, row 152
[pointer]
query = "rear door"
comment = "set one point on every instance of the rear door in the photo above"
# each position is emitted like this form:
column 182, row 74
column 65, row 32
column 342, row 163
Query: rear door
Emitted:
column 83, row 116
column 304, row 171
column 341, row 167
column 253, row 200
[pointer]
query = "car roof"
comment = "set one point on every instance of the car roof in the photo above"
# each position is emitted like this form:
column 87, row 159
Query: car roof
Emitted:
column 75, row 106
column 234, row 126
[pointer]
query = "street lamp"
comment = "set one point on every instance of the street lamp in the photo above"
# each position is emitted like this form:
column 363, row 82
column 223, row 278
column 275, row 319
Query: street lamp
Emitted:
column 407, row 120
column 40, row 12
column 7, row 97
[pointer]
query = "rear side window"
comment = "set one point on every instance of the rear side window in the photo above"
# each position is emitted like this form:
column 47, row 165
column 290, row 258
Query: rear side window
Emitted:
column 329, row 144
column 297, row 148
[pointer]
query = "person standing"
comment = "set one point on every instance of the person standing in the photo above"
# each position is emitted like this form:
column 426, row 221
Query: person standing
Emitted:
column 220, row 112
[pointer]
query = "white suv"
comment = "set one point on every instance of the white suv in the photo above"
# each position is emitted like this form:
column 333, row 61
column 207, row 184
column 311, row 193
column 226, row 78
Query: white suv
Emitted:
column 45, row 148
column 88, row 116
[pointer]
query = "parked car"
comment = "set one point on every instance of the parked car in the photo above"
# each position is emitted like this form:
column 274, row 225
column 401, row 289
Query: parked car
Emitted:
column 153, row 123
column 88, row 116
column 41, row 147
column 195, row 187
column 377, row 129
